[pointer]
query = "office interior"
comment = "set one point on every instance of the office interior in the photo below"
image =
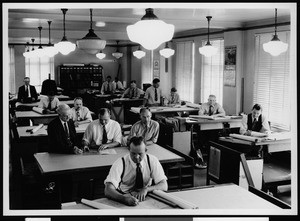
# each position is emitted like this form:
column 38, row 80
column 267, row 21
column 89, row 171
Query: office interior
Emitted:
column 232, row 27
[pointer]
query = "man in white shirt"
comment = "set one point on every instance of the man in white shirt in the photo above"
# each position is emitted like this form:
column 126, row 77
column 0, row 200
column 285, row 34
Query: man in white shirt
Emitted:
column 49, row 103
column 133, row 92
column 80, row 114
column 255, row 121
column 153, row 94
column 118, row 84
column 133, row 176
column 212, row 108
column 102, row 133
column 108, row 87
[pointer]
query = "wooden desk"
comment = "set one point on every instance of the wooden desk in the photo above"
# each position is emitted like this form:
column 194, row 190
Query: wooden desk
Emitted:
column 36, row 117
column 29, row 106
column 226, row 196
column 207, row 124
column 163, row 109
column 278, row 142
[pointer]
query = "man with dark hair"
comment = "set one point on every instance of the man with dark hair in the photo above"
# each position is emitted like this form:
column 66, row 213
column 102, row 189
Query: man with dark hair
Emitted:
column 27, row 93
column 133, row 92
column 255, row 121
column 108, row 87
column 102, row 133
column 173, row 98
column 133, row 176
column 153, row 94
column 118, row 84
column 62, row 133
column 146, row 128
column 49, row 103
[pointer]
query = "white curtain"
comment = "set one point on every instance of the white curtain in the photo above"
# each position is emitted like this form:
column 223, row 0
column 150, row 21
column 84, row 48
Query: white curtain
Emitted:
column 12, row 71
column 212, row 73
column 271, row 86
column 185, row 70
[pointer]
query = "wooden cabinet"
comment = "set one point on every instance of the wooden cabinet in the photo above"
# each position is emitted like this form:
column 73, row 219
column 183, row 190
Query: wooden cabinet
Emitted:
column 76, row 80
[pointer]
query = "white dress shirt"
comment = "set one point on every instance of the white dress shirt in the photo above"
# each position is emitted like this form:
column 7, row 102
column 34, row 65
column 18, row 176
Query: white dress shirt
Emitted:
column 84, row 114
column 150, row 95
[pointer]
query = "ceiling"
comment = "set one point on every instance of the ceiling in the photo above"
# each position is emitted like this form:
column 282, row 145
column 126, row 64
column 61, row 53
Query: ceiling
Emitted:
column 24, row 19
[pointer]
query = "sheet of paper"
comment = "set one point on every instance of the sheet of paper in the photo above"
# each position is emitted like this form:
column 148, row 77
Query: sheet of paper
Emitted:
column 107, row 152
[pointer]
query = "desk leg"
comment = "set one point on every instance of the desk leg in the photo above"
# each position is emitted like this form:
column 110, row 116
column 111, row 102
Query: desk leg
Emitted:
column 196, row 152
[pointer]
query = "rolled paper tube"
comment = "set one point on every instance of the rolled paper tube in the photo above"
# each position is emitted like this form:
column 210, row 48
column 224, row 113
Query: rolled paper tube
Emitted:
column 179, row 202
column 244, row 137
column 37, row 128
column 38, row 110
column 96, row 204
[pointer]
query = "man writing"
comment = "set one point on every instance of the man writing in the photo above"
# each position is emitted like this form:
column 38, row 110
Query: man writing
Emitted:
column 136, row 174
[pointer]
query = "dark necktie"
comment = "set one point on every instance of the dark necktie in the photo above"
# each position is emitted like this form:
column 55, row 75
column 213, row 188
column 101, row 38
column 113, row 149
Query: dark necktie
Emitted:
column 155, row 95
column 66, row 130
column 254, row 124
column 104, row 135
column 210, row 111
column 139, row 177
column 49, row 105
column 117, row 87
column 78, row 115
column 26, row 91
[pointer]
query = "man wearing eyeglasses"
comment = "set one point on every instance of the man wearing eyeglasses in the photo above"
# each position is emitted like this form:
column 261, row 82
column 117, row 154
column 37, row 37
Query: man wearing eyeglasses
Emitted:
column 136, row 174
column 80, row 114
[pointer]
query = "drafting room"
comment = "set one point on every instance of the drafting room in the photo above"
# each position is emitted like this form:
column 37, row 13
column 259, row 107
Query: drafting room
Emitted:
column 145, row 108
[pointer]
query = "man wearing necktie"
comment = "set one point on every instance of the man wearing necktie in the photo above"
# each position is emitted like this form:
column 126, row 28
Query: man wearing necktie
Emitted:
column 141, row 173
column 102, row 133
column 49, row 103
column 212, row 108
column 27, row 93
column 132, row 92
column 153, row 94
column 80, row 114
column 108, row 87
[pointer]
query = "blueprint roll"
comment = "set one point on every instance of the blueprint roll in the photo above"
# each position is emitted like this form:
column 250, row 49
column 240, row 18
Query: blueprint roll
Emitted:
column 96, row 204
column 37, row 128
column 244, row 137
column 179, row 202
column 38, row 110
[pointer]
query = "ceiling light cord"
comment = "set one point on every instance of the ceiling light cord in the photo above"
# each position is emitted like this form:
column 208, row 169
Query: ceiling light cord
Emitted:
column 40, row 30
column 275, row 21
column 91, row 18
column 49, row 23
column 64, row 10
column 208, row 21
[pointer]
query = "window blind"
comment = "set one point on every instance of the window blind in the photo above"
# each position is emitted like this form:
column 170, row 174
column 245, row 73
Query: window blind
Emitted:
column 185, row 70
column 12, row 70
column 271, row 86
column 212, row 73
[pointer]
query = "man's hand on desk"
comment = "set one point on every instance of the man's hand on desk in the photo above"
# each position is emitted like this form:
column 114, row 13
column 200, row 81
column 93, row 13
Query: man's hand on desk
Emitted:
column 86, row 149
column 248, row 133
column 131, row 200
column 77, row 150
column 76, row 123
column 103, row 147
column 141, row 194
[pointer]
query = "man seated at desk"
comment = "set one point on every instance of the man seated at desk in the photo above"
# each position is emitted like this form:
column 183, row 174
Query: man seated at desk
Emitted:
column 62, row 133
column 133, row 176
column 118, row 84
column 80, row 114
column 173, row 99
column 108, row 87
column 212, row 108
column 133, row 92
column 102, row 133
column 27, row 93
column 49, row 103
column 153, row 94
column 146, row 128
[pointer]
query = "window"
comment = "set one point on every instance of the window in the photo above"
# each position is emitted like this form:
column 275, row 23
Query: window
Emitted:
column 12, row 72
column 38, row 70
column 271, row 87
column 185, row 70
column 212, row 73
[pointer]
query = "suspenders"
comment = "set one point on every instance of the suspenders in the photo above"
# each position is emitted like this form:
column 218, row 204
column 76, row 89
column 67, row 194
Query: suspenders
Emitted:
column 123, row 161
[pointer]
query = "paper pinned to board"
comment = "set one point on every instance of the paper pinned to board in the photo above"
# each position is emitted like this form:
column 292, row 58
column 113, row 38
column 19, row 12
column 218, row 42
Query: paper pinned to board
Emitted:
column 179, row 202
column 96, row 205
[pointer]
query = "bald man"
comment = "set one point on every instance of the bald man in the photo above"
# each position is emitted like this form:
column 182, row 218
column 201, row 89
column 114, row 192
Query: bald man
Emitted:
column 62, row 133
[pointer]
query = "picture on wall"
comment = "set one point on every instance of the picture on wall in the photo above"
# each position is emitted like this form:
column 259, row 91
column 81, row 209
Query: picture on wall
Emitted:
column 230, row 66
column 156, row 69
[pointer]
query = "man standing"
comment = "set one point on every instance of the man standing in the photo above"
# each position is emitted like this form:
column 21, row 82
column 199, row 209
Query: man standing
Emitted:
column 133, row 92
column 146, row 128
column 62, row 133
column 102, row 133
column 27, row 93
column 108, row 87
column 153, row 94
column 136, row 174
column 79, row 113
column 211, row 108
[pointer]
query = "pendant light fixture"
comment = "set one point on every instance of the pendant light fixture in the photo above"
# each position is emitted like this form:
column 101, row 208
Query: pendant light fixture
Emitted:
column 117, row 54
column 167, row 52
column 50, row 50
column 65, row 46
column 139, row 53
column 40, row 51
column 91, row 43
column 27, row 52
column 100, row 55
column 150, row 32
column 32, row 53
column 275, row 47
column 208, row 50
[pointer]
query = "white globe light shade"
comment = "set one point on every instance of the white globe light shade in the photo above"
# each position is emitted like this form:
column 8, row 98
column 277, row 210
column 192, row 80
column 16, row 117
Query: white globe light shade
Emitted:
column 40, row 52
column 91, row 46
column 100, row 55
column 139, row 54
column 208, row 50
column 275, row 47
column 32, row 54
column 50, row 51
column 167, row 52
column 26, row 54
column 150, row 33
column 65, row 47
column 117, row 55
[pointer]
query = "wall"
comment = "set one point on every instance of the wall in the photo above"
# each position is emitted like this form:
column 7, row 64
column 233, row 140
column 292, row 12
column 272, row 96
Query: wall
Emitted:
column 19, row 66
